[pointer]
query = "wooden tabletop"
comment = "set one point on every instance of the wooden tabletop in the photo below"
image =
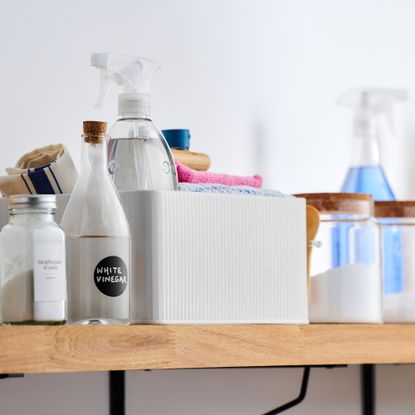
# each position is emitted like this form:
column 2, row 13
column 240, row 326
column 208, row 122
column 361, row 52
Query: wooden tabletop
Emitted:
column 45, row 349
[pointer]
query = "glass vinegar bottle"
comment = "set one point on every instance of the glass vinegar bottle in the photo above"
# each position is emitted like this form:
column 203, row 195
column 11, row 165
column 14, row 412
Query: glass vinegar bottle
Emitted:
column 98, row 239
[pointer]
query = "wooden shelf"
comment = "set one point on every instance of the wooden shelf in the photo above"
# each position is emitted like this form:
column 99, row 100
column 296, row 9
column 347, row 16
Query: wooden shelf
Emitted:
column 43, row 349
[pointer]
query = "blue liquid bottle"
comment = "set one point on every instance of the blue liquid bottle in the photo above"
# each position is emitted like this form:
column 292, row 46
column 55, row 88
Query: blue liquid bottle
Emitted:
column 370, row 105
column 366, row 174
column 370, row 180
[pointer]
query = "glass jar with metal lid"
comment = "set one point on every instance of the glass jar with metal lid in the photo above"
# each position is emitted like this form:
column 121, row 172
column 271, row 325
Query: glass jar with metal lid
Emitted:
column 33, row 271
column 396, row 220
column 345, row 279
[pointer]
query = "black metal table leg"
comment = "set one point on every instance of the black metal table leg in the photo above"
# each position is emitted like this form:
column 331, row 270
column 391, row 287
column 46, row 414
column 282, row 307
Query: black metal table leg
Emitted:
column 117, row 392
column 14, row 375
column 367, row 376
column 296, row 401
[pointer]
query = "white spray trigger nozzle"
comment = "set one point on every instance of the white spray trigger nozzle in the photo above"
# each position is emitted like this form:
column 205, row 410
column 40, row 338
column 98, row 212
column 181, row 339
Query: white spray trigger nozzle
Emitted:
column 372, row 106
column 131, row 73
column 105, row 82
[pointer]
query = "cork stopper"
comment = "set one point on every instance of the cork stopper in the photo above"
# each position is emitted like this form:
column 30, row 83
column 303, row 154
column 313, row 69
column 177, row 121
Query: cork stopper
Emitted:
column 95, row 131
column 340, row 203
column 395, row 209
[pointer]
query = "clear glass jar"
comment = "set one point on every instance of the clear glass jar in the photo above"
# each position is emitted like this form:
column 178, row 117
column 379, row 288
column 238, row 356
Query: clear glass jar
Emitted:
column 345, row 278
column 33, row 270
column 396, row 220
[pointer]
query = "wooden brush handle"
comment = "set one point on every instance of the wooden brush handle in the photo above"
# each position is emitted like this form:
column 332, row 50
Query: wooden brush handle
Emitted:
column 196, row 161
column 313, row 223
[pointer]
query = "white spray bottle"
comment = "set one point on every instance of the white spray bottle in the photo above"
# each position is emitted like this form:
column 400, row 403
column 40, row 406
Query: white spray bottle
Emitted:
column 138, row 154
column 372, row 107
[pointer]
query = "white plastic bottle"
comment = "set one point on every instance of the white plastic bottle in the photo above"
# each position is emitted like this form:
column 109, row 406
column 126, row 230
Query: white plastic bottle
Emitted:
column 98, row 239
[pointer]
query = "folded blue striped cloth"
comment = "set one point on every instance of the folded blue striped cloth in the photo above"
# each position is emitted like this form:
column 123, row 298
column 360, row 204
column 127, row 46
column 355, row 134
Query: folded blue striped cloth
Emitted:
column 46, row 170
column 221, row 188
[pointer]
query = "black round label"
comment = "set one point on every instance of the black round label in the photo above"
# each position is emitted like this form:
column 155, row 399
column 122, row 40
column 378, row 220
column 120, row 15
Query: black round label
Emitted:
column 111, row 276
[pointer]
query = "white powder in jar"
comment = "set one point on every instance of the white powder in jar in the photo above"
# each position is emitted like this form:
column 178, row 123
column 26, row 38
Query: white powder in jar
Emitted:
column 347, row 294
column 17, row 293
column 399, row 307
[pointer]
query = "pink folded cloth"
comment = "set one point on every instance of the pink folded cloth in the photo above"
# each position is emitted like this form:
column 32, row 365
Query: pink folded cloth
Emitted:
column 188, row 175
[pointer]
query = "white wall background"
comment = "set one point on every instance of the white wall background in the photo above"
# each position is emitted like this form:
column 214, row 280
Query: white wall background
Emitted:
column 255, row 81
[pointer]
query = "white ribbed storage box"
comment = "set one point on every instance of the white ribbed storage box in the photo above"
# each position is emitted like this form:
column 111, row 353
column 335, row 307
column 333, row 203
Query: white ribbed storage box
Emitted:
column 214, row 258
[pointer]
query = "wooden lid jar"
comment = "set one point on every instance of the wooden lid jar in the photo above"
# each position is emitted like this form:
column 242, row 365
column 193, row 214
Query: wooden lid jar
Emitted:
column 345, row 279
column 396, row 220
column 353, row 206
column 395, row 209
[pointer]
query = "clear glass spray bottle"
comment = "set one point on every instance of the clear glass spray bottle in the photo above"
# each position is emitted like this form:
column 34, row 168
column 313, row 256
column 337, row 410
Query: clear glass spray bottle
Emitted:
column 98, row 239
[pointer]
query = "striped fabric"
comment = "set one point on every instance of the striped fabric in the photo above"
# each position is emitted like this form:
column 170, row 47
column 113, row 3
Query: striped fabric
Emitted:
column 41, row 180
column 56, row 177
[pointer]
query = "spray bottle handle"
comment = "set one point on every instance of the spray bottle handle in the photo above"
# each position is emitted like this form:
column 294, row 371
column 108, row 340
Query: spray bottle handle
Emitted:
column 385, row 121
column 105, row 82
